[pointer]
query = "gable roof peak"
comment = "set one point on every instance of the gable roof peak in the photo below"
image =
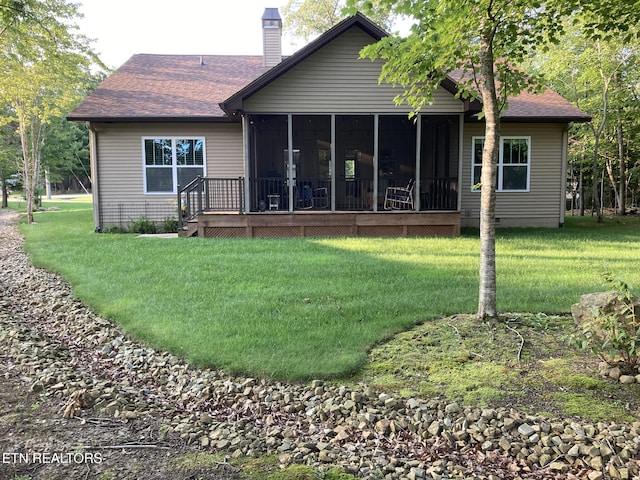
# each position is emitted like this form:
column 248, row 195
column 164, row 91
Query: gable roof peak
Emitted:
column 233, row 104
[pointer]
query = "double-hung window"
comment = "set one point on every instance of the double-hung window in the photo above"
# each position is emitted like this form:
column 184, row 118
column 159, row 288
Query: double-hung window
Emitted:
column 514, row 163
column 171, row 161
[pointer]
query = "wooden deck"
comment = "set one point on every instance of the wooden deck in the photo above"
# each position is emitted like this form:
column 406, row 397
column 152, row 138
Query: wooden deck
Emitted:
column 322, row 224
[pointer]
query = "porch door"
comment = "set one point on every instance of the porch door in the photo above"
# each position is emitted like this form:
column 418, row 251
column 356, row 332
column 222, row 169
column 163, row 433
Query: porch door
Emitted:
column 312, row 162
column 268, row 175
column 354, row 162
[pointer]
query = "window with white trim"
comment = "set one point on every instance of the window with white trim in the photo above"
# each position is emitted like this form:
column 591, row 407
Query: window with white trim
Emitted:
column 171, row 161
column 513, row 163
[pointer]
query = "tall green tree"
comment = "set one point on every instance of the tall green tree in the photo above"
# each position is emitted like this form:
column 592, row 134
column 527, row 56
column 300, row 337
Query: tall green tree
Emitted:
column 486, row 40
column 308, row 18
column 600, row 75
column 44, row 64
column 9, row 156
column 65, row 152
column 613, row 21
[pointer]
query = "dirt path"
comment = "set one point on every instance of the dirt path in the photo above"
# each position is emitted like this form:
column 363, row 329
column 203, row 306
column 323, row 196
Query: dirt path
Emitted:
column 37, row 443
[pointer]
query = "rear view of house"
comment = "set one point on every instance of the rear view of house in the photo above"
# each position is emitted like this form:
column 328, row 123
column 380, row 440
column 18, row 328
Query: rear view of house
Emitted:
column 311, row 144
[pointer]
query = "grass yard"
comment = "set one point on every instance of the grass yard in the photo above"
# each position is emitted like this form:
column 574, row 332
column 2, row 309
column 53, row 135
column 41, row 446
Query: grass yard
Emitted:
column 308, row 308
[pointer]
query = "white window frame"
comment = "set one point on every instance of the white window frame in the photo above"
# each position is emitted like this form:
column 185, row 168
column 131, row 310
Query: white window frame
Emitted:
column 174, row 160
column 501, row 165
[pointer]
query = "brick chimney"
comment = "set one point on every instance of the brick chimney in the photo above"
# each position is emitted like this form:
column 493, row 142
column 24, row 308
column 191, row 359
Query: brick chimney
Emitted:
column 271, row 37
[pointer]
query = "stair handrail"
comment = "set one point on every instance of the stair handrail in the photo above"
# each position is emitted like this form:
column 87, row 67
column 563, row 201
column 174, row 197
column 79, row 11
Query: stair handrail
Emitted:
column 186, row 209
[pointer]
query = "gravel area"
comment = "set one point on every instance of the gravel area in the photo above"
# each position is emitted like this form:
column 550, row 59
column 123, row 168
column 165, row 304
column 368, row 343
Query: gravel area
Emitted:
column 58, row 350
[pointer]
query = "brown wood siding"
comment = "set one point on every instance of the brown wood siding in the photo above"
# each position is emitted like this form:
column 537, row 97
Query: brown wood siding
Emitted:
column 119, row 152
column 335, row 80
column 541, row 206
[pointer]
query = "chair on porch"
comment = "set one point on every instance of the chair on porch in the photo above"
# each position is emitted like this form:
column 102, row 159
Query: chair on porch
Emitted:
column 397, row 198
column 304, row 198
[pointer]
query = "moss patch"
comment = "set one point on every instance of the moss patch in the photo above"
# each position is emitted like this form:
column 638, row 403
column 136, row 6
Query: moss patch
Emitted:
column 193, row 461
column 257, row 468
column 294, row 472
column 524, row 360
column 604, row 410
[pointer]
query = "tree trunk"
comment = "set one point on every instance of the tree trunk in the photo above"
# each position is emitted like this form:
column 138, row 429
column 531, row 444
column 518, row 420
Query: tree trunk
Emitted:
column 27, row 171
column 31, row 141
column 487, row 293
column 4, row 188
column 596, row 193
column 581, row 190
column 5, row 195
column 612, row 180
column 622, row 191
column 47, row 183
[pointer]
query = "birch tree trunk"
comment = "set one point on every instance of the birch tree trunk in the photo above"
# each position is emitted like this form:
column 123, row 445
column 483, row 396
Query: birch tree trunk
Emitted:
column 597, row 205
column 487, row 309
column 622, row 191
column 31, row 132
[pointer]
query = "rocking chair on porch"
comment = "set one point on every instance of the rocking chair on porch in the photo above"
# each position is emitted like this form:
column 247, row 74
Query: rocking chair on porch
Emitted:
column 397, row 198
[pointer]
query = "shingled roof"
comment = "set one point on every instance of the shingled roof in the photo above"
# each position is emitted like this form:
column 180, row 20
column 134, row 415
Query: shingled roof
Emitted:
column 169, row 88
column 547, row 106
column 193, row 88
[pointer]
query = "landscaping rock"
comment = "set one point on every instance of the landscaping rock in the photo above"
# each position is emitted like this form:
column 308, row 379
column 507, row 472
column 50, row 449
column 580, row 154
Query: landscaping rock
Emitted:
column 61, row 347
column 592, row 303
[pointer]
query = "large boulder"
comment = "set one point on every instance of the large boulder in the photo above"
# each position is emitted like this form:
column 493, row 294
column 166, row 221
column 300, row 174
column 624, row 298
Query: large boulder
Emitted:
column 600, row 303
column 590, row 305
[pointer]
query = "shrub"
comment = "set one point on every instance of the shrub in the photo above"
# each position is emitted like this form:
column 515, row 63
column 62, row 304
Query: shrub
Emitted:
column 169, row 225
column 142, row 225
column 113, row 229
column 614, row 333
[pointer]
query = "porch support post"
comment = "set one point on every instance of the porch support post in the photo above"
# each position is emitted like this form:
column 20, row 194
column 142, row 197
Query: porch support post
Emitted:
column 246, row 125
column 418, row 156
column 291, row 181
column 332, row 166
column 374, row 199
column 460, row 160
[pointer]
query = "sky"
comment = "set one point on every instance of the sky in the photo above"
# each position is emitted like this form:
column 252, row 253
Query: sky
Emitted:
column 123, row 28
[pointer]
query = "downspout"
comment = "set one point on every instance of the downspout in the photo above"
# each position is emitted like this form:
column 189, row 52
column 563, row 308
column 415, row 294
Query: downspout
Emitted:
column 563, row 176
column 95, row 189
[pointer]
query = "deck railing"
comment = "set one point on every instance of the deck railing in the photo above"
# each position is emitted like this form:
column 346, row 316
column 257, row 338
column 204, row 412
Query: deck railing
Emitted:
column 439, row 193
column 272, row 193
column 204, row 194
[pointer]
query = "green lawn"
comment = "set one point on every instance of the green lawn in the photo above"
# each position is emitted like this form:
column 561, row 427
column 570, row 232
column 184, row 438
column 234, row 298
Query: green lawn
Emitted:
column 307, row 308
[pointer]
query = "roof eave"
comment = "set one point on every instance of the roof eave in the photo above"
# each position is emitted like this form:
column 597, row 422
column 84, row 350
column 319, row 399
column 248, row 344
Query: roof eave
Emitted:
column 546, row 119
column 470, row 105
column 151, row 119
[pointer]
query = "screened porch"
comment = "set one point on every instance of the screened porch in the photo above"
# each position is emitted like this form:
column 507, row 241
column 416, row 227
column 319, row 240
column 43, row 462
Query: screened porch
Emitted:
column 346, row 163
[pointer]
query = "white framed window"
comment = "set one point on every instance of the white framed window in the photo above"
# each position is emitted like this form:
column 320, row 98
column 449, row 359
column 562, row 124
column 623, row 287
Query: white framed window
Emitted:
column 171, row 161
column 514, row 163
